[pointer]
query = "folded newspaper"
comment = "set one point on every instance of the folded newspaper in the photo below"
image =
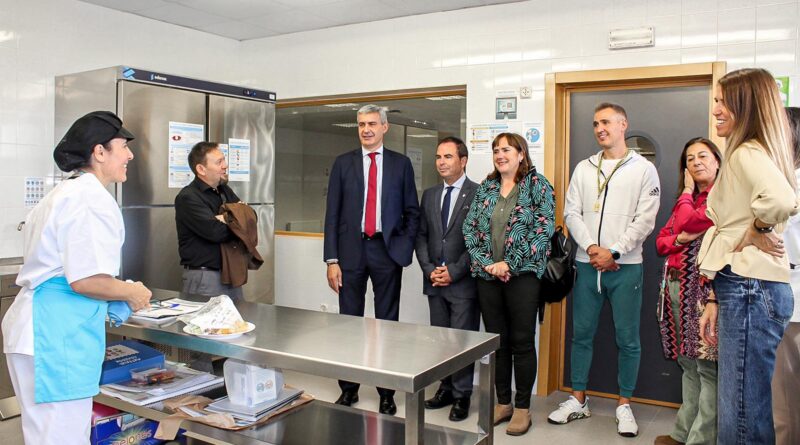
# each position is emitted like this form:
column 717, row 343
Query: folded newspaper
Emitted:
column 217, row 317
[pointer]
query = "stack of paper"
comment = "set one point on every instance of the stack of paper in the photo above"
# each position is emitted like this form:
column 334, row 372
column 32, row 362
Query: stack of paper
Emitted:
column 250, row 414
column 186, row 380
column 162, row 312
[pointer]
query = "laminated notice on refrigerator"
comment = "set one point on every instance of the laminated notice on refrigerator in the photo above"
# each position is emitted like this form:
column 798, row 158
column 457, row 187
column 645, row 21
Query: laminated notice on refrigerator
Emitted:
column 182, row 137
column 239, row 160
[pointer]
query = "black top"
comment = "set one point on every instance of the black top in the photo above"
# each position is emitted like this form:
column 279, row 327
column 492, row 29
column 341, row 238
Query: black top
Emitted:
column 200, row 233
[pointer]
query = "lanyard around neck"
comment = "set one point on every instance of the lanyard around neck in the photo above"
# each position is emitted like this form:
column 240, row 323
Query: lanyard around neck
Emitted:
column 602, row 186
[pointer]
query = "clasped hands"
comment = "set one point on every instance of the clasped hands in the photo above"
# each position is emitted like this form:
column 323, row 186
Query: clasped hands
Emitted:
column 440, row 277
column 601, row 259
column 500, row 270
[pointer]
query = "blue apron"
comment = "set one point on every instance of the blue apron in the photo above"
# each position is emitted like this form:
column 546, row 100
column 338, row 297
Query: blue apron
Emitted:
column 69, row 341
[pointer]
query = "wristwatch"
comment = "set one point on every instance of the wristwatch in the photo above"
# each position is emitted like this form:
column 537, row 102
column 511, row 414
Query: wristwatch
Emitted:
column 614, row 254
column 767, row 229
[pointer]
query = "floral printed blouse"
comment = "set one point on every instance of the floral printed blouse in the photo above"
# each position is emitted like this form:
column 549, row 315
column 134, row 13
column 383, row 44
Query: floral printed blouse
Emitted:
column 528, row 231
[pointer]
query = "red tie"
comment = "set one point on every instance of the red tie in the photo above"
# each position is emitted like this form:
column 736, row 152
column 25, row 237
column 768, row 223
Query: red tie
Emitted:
column 372, row 196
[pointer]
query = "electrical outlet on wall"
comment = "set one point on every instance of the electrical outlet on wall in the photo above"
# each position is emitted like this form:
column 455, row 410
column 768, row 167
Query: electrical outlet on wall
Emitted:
column 525, row 92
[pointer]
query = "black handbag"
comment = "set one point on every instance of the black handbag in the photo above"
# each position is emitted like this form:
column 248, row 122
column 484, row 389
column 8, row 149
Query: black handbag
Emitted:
column 559, row 277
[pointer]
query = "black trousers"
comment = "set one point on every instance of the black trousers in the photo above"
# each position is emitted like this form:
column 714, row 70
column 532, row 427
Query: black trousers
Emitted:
column 450, row 310
column 377, row 266
column 509, row 309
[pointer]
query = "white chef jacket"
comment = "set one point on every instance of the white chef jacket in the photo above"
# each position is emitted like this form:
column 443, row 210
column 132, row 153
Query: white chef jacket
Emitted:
column 76, row 231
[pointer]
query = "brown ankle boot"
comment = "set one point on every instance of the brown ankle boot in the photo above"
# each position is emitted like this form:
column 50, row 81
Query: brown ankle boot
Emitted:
column 666, row 440
column 520, row 422
column 502, row 413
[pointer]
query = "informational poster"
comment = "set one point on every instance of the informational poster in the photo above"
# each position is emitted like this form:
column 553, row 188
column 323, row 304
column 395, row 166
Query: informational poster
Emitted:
column 482, row 135
column 182, row 137
column 505, row 104
column 34, row 191
column 534, row 136
column 238, row 160
column 415, row 154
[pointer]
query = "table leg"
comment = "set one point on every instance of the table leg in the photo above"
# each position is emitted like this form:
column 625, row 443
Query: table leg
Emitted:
column 415, row 418
column 486, row 397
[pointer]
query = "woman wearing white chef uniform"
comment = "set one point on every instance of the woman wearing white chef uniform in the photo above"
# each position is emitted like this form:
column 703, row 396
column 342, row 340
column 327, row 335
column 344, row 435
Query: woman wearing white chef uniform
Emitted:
column 54, row 333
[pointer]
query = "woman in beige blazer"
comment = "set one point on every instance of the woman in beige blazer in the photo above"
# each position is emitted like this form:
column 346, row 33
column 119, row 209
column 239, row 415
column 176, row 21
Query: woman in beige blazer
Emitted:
column 743, row 253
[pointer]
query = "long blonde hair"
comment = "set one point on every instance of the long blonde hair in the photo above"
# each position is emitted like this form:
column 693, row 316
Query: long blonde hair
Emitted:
column 751, row 95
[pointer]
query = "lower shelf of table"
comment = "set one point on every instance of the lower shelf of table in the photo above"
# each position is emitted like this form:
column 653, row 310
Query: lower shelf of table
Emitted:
column 317, row 422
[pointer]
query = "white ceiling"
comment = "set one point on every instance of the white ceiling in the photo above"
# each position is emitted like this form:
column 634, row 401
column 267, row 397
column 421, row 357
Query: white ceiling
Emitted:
column 254, row 19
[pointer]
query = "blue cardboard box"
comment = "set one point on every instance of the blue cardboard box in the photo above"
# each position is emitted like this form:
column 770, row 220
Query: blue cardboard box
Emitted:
column 126, row 355
column 113, row 427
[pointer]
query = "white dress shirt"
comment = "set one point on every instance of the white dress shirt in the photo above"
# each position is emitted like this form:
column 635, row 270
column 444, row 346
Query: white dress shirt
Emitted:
column 379, row 160
column 453, row 195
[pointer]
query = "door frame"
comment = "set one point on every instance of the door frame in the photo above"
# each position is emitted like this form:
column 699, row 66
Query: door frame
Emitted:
column 558, row 87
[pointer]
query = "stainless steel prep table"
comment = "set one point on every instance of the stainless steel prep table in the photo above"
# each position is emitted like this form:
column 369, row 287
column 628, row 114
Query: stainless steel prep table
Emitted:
column 401, row 356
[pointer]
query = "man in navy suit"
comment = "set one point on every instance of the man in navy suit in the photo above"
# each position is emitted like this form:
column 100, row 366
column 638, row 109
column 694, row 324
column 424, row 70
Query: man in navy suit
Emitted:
column 371, row 222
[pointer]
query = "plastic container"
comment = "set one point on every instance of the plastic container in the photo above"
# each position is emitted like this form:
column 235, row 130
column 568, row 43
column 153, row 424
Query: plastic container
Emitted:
column 249, row 384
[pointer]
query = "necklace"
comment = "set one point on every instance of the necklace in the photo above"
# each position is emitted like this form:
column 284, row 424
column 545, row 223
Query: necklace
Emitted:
column 602, row 186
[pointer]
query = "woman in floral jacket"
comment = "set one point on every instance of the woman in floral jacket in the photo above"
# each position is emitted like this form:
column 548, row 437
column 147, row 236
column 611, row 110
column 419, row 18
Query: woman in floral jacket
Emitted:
column 684, row 295
column 507, row 233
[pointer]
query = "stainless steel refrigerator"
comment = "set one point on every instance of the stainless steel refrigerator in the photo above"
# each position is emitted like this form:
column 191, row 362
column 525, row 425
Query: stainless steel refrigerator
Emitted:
column 147, row 102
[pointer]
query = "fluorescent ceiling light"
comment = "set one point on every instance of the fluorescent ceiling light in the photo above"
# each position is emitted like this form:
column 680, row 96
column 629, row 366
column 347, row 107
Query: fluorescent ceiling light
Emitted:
column 346, row 125
column 340, row 105
column 421, row 135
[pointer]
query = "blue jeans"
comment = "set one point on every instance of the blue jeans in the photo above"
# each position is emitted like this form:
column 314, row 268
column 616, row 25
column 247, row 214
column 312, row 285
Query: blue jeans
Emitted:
column 752, row 317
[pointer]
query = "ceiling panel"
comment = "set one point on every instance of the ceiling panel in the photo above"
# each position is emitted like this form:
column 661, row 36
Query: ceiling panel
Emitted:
column 266, row 18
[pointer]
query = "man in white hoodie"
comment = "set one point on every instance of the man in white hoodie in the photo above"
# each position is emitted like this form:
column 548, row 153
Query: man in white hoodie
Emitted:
column 610, row 209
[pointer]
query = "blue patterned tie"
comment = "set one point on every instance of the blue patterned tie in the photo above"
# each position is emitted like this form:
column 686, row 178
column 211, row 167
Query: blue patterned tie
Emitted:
column 445, row 217
column 446, row 208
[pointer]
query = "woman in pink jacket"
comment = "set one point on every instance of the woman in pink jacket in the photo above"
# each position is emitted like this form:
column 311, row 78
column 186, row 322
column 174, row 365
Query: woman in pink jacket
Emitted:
column 684, row 295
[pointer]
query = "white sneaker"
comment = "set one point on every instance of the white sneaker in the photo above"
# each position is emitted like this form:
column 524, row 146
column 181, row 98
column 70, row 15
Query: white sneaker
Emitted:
column 570, row 410
column 626, row 423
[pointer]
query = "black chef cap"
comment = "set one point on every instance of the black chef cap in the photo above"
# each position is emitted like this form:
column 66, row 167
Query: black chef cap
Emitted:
column 97, row 127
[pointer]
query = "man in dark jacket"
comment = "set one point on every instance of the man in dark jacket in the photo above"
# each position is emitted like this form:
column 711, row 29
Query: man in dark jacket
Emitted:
column 201, row 226
column 451, row 290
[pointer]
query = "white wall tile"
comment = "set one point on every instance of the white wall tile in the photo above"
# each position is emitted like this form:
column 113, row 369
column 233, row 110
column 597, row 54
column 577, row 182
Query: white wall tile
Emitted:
column 699, row 29
column 776, row 22
column 454, row 52
column 565, row 41
column 736, row 26
column 738, row 56
column 536, row 44
column 657, row 8
column 667, row 30
column 699, row 54
column 507, row 48
column 481, row 50
column 735, row 4
column 777, row 57
column 696, row 6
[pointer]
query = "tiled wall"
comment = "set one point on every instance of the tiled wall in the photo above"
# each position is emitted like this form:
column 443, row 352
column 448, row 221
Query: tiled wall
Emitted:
column 488, row 49
column 499, row 48
column 40, row 39
column 507, row 46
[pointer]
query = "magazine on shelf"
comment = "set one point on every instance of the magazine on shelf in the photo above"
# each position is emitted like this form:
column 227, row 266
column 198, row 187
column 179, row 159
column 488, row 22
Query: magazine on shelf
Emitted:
column 184, row 377
column 186, row 380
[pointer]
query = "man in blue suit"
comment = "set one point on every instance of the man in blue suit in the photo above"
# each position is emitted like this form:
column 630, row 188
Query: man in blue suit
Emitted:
column 371, row 222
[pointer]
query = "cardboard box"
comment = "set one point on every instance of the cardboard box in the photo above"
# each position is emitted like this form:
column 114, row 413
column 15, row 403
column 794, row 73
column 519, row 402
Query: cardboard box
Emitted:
column 112, row 427
column 126, row 355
